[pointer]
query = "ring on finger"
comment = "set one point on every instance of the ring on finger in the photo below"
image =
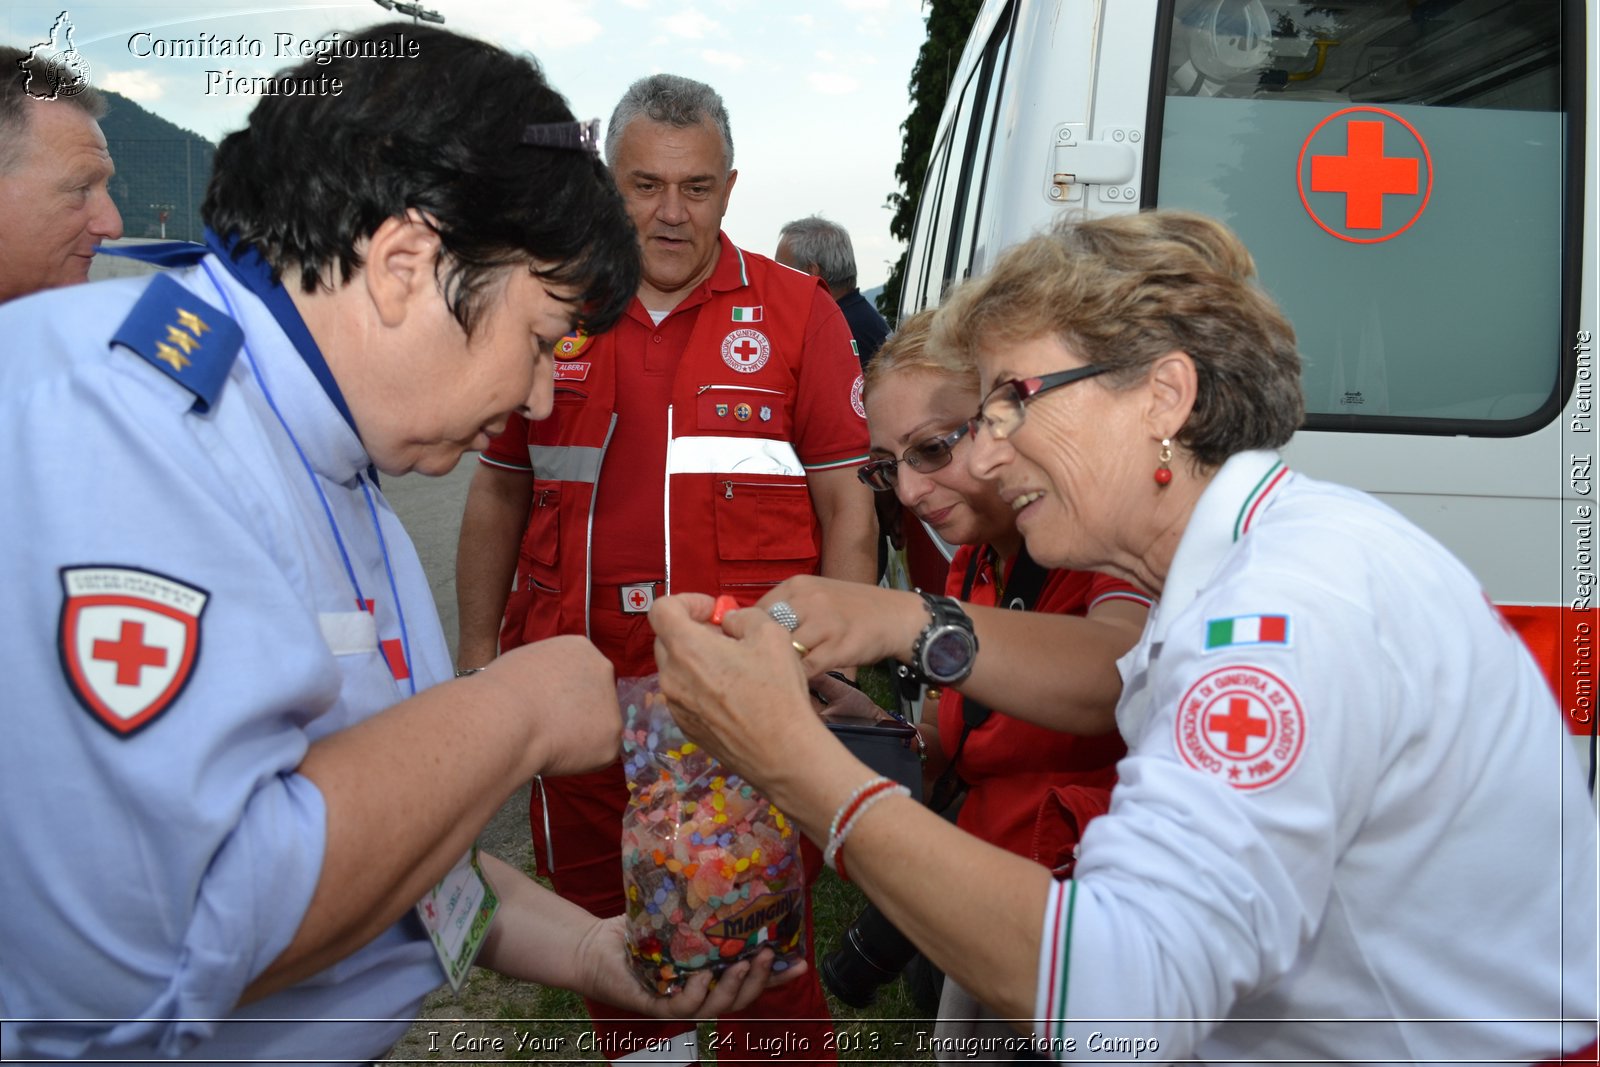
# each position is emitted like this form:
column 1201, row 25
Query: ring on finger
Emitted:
column 802, row 649
column 784, row 615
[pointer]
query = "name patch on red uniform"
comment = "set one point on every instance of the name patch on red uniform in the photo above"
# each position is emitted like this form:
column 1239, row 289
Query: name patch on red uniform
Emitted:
column 1242, row 725
column 129, row 641
column 572, row 372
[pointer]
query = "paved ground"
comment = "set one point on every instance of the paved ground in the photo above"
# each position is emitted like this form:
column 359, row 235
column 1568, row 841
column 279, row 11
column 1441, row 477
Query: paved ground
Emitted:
column 431, row 511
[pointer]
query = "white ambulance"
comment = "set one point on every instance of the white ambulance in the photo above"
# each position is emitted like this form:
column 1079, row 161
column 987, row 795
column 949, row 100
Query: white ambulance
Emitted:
column 1416, row 180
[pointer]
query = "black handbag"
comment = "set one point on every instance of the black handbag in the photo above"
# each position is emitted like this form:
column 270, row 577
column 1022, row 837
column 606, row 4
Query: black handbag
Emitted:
column 890, row 747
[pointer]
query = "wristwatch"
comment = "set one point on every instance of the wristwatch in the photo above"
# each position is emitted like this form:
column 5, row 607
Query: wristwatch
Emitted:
column 947, row 647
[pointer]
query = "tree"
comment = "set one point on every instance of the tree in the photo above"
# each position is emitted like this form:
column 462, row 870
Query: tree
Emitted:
column 949, row 22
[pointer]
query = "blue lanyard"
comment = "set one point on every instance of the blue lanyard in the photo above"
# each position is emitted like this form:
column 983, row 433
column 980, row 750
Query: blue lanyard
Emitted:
column 246, row 265
column 316, row 483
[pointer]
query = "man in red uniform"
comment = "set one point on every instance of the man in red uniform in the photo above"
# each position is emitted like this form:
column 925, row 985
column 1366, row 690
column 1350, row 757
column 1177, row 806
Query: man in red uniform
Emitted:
column 707, row 443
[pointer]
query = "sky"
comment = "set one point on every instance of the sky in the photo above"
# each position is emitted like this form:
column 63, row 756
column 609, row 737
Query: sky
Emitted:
column 815, row 93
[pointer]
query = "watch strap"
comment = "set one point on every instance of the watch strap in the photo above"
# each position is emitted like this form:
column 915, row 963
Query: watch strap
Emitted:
column 943, row 612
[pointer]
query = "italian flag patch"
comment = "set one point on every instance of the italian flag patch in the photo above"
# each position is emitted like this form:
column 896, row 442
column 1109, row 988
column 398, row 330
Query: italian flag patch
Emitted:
column 747, row 314
column 1247, row 630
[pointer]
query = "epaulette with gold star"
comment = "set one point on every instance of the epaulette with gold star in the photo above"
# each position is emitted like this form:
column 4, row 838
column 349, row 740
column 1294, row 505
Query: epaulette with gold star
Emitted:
column 182, row 336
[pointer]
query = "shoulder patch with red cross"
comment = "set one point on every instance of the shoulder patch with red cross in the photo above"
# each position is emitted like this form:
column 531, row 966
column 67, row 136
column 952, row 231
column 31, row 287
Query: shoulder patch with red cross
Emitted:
column 129, row 640
column 569, row 346
column 1242, row 725
column 569, row 368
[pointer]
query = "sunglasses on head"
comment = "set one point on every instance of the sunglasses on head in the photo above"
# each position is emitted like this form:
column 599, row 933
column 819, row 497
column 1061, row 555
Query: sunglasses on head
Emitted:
column 881, row 475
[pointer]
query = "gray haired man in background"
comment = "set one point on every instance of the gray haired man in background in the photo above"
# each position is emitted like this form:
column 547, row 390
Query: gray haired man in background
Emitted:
column 816, row 246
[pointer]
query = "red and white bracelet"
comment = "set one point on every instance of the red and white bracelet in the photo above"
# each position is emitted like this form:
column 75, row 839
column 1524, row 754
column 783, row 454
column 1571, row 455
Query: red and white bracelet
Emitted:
column 865, row 796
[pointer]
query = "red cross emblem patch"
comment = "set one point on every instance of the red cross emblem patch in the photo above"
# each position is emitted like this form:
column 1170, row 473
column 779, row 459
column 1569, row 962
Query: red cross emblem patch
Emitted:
column 570, row 346
column 129, row 641
column 636, row 599
column 1243, row 725
column 1365, row 175
column 746, row 351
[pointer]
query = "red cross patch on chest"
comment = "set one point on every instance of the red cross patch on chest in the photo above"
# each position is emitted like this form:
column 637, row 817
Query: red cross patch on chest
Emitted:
column 746, row 351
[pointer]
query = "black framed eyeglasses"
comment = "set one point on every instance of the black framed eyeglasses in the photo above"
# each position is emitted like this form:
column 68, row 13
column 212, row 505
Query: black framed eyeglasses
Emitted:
column 881, row 475
column 1002, row 410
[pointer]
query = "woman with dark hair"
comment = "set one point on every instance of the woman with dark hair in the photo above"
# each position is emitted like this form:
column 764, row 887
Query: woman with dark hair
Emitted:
column 241, row 787
column 1349, row 824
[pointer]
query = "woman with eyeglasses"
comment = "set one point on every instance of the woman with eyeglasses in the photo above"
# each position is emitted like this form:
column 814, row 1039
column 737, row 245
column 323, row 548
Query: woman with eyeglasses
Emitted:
column 1350, row 824
column 920, row 399
column 1028, row 788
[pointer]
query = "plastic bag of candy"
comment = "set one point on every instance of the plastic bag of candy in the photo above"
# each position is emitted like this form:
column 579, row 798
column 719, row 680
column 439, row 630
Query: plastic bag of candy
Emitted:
column 710, row 868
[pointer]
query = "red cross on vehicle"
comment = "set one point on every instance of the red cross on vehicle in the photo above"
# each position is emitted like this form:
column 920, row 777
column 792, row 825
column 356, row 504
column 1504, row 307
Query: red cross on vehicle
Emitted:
column 1376, row 161
column 1364, row 174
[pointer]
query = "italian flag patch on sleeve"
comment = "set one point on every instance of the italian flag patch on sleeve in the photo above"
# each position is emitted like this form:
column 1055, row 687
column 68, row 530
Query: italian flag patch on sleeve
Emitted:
column 1247, row 630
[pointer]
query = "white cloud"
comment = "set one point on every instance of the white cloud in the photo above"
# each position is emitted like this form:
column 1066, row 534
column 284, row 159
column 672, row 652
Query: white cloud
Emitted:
column 557, row 25
column 806, row 22
column 833, row 84
column 875, row 6
column 637, row 5
column 725, row 60
column 138, row 85
column 854, row 60
column 690, row 24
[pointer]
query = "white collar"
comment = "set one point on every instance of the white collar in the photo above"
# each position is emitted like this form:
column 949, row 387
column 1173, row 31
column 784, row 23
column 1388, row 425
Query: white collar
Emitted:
column 1230, row 506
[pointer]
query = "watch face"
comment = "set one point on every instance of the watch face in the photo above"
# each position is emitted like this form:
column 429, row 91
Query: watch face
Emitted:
column 948, row 654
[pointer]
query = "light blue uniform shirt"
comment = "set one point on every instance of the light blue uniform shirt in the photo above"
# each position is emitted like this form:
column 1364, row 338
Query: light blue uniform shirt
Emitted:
column 180, row 625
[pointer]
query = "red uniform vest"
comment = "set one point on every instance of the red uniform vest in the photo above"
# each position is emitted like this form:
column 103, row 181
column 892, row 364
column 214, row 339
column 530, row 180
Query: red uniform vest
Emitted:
column 1031, row 790
column 739, row 514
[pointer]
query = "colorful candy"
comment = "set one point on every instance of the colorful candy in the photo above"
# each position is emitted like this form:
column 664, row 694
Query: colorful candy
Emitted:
column 709, row 867
column 723, row 604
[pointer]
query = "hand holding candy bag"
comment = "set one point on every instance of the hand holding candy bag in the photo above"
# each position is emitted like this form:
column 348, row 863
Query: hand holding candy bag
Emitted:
column 710, row 868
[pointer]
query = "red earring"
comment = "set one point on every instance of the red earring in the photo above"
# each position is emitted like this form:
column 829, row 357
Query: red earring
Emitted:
column 1164, row 471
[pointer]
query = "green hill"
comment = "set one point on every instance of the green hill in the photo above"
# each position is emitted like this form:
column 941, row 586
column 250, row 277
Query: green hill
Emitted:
column 160, row 168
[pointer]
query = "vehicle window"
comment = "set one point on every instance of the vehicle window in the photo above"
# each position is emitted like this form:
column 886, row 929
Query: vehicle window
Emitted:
column 1397, row 169
column 944, row 212
column 918, row 272
column 973, row 183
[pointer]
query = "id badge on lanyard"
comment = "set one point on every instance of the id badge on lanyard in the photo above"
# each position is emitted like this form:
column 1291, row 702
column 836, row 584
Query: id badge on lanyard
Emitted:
column 457, row 914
